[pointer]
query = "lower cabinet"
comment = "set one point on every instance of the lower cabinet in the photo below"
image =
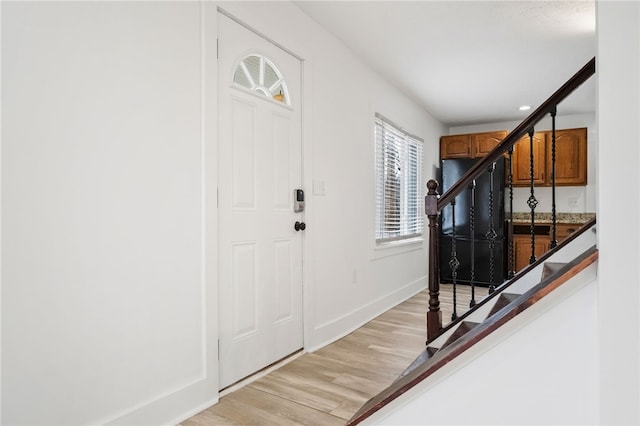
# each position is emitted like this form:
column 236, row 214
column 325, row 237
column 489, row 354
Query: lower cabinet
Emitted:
column 522, row 248
column 563, row 230
column 522, row 241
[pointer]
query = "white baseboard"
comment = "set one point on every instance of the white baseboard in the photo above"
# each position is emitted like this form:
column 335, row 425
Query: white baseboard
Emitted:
column 162, row 410
column 336, row 329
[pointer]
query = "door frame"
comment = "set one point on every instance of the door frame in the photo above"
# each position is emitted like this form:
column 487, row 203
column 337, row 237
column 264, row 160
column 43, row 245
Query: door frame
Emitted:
column 305, row 145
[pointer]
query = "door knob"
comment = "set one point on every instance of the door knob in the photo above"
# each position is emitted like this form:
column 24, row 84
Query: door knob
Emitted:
column 299, row 226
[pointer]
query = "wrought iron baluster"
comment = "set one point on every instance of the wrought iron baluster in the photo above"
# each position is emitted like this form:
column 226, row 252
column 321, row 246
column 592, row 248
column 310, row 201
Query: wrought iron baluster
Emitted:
column 510, row 181
column 532, row 202
column 454, row 263
column 472, row 226
column 554, row 240
column 491, row 233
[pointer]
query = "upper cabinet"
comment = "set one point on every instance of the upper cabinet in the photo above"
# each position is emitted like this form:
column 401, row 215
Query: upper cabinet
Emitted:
column 571, row 154
column 483, row 143
column 455, row 146
column 571, row 158
column 473, row 145
column 522, row 160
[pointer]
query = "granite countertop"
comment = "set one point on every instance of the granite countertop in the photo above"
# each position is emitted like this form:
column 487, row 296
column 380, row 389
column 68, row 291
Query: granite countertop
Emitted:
column 571, row 218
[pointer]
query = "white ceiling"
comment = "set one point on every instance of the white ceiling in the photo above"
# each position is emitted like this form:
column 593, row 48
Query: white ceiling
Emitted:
column 470, row 62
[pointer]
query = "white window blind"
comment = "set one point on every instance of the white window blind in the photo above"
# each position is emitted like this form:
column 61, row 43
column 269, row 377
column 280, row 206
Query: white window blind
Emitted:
column 399, row 200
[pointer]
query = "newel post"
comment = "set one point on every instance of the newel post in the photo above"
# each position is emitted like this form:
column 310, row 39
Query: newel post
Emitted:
column 434, row 315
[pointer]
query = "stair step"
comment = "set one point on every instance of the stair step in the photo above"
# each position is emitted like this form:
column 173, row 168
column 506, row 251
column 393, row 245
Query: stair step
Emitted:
column 422, row 358
column 432, row 350
column 551, row 268
column 463, row 328
column 503, row 300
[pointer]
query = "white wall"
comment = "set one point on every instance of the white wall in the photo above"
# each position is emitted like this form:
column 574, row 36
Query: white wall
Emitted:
column 585, row 196
column 103, row 196
column 618, row 211
column 108, row 216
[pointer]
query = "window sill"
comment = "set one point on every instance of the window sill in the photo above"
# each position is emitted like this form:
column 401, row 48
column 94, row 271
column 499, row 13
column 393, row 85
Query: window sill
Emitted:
column 392, row 248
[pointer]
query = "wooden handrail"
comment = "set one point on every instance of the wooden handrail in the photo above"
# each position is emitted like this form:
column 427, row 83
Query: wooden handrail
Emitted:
column 479, row 167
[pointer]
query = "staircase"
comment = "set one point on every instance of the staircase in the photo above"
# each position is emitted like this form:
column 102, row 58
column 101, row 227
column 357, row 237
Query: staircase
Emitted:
column 507, row 300
column 498, row 308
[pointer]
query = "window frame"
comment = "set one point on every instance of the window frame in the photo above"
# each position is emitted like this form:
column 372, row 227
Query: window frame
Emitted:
column 249, row 74
column 403, row 222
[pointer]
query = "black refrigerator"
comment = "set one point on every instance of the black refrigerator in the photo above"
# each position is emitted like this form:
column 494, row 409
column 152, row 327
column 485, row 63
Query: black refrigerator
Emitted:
column 451, row 171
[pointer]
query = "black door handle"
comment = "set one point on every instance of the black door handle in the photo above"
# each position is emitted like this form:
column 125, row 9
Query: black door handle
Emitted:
column 299, row 226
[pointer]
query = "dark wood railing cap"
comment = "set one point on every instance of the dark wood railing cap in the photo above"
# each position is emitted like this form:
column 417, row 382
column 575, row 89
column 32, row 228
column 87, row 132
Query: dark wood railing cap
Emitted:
column 431, row 199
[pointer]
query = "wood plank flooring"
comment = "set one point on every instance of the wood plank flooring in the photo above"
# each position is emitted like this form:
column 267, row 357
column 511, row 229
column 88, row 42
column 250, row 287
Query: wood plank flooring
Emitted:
column 328, row 386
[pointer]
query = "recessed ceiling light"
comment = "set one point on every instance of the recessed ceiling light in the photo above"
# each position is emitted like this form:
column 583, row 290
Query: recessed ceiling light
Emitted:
column 525, row 108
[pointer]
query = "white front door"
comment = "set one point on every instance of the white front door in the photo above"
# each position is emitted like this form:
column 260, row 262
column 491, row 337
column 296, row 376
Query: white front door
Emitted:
column 260, row 157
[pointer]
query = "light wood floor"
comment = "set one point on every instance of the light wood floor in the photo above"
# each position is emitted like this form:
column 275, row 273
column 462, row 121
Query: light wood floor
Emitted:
column 328, row 386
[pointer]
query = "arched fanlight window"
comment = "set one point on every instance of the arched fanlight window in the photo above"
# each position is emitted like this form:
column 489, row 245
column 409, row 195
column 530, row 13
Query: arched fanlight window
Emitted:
column 260, row 75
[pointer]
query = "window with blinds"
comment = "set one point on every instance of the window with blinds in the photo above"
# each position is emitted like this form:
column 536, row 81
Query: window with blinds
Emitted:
column 399, row 202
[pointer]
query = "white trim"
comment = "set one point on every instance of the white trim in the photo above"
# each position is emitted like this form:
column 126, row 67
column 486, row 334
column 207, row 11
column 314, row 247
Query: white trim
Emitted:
column 394, row 248
column 162, row 407
column 1, row 210
column 236, row 86
column 210, row 174
column 340, row 327
column 203, row 187
column 308, row 306
column 258, row 33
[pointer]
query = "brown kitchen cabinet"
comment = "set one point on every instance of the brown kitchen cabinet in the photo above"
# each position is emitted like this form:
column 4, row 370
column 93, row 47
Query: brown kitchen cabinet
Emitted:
column 522, row 160
column 483, row 143
column 455, row 146
column 571, row 158
column 522, row 241
column 571, row 154
column 563, row 230
column 473, row 145
column 522, row 249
